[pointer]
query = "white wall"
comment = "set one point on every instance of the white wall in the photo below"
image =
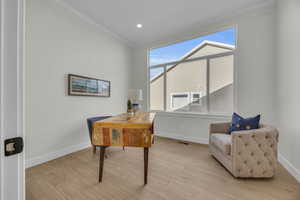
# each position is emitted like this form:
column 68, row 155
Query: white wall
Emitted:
column 254, row 71
column 288, row 81
column 59, row 42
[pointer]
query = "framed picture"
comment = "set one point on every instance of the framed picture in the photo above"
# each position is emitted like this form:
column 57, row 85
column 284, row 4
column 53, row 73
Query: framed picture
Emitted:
column 86, row 86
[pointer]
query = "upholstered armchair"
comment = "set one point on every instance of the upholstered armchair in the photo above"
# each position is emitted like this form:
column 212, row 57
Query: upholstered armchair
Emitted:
column 250, row 153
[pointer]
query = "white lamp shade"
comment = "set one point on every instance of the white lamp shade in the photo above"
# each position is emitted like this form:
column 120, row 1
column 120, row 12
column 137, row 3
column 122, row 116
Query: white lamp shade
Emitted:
column 140, row 95
column 135, row 94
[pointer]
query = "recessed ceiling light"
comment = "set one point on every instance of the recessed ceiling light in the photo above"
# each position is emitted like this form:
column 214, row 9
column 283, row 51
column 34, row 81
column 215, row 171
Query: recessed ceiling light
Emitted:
column 139, row 25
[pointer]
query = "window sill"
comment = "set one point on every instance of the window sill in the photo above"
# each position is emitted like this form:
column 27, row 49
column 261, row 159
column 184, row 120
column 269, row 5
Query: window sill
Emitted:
column 192, row 115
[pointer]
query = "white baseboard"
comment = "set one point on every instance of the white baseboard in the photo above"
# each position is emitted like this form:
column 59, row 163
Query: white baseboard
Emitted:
column 289, row 167
column 182, row 137
column 55, row 154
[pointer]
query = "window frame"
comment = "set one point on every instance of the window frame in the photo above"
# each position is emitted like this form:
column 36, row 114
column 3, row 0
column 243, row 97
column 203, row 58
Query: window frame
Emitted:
column 189, row 96
column 179, row 93
column 192, row 97
column 234, row 52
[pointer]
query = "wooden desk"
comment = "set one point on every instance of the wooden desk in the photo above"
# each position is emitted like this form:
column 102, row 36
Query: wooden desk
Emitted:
column 126, row 131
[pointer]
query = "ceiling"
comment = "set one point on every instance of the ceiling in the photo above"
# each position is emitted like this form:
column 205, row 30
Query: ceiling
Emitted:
column 160, row 18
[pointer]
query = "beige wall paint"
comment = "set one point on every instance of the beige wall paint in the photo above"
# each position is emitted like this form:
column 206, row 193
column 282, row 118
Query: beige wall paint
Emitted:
column 221, row 72
column 157, row 94
column 186, row 77
column 59, row 42
column 209, row 50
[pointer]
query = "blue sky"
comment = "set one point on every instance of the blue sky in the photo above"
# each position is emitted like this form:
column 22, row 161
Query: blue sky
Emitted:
column 175, row 51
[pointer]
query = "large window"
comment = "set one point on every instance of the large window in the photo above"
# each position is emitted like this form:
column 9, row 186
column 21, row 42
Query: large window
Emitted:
column 194, row 76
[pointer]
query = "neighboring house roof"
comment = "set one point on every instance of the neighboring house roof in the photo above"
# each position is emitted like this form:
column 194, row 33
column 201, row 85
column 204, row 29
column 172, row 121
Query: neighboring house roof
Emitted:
column 195, row 50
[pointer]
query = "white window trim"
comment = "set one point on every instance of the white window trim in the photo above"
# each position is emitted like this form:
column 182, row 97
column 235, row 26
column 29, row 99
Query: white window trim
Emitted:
column 192, row 97
column 235, row 72
column 208, row 58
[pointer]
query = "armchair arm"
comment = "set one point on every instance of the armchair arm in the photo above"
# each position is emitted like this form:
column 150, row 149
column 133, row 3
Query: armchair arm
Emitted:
column 219, row 127
column 264, row 135
column 254, row 152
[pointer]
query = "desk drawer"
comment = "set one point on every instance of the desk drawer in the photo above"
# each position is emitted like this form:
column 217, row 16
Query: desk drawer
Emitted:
column 134, row 137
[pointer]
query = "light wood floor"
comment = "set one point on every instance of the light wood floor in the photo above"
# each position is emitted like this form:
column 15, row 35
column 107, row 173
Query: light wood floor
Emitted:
column 176, row 171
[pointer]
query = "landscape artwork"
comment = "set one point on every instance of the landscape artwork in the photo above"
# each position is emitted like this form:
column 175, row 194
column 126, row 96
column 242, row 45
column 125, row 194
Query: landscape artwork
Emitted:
column 86, row 86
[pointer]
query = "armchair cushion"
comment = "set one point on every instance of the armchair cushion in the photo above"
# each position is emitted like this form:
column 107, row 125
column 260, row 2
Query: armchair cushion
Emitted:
column 239, row 123
column 222, row 142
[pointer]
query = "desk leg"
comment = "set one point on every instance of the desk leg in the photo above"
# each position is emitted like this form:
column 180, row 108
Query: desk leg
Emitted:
column 101, row 162
column 146, row 152
column 94, row 149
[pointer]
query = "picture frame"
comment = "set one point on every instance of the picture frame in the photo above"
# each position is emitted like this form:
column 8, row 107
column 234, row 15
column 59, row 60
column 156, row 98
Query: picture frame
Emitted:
column 86, row 86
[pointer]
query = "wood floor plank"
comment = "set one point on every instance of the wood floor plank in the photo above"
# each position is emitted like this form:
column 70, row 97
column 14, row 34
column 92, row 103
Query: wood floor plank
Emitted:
column 176, row 171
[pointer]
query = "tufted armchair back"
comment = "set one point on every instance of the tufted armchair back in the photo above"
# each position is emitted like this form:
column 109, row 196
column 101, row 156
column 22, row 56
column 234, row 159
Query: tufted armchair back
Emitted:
column 253, row 152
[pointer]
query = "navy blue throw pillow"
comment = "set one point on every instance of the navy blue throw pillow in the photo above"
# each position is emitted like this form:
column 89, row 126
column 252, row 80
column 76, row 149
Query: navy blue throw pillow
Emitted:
column 239, row 123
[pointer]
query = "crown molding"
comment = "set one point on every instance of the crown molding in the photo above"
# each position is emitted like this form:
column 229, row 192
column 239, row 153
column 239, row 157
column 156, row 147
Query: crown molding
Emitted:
column 229, row 16
column 90, row 21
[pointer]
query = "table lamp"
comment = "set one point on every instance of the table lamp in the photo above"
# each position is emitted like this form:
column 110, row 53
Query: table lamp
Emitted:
column 136, row 97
